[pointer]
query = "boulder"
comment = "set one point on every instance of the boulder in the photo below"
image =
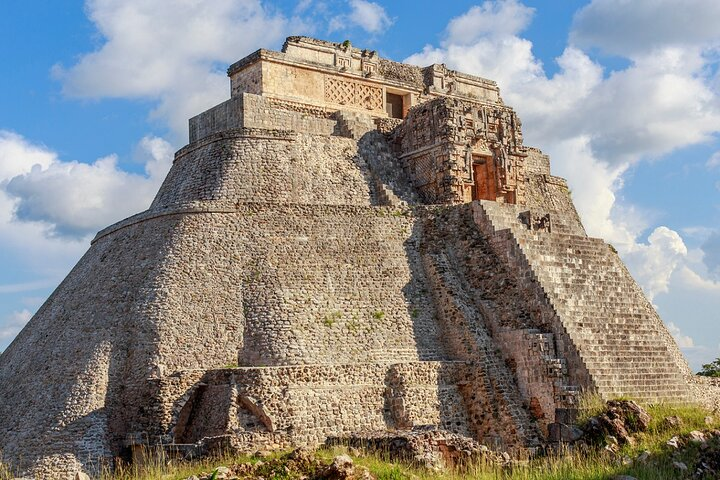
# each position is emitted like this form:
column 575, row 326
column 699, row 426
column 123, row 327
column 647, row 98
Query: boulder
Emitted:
column 222, row 473
column 620, row 419
column 341, row 468
column 673, row 422
column 696, row 436
column 560, row 432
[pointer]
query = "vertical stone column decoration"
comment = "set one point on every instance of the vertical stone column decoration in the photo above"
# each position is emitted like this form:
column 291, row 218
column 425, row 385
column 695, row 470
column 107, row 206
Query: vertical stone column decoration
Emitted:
column 369, row 63
column 436, row 78
column 343, row 57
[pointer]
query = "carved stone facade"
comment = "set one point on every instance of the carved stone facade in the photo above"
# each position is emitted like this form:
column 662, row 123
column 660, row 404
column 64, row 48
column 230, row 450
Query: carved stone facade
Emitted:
column 346, row 244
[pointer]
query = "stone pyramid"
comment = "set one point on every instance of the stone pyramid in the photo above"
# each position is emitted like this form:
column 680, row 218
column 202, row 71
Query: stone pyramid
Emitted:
column 346, row 245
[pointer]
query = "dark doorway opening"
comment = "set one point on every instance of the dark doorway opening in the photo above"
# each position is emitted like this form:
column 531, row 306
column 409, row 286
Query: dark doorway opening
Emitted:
column 394, row 105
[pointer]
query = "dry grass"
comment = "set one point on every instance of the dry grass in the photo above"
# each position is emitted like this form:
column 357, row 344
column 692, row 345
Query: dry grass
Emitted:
column 575, row 464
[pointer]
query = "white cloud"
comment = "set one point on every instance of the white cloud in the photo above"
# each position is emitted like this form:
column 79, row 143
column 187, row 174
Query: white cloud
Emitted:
column 76, row 199
column 713, row 161
column 683, row 341
column 369, row 16
column 174, row 52
column 654, row 263
column 17, row 155
column 498, row 19
column 632, row 27
column 13, row 324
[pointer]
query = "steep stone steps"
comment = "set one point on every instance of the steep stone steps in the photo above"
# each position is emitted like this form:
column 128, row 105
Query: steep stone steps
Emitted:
column 391, row 185
column 464, row 262
column 612, row 325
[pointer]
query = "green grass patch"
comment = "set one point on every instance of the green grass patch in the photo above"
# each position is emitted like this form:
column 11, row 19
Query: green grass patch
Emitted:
column 571, row 464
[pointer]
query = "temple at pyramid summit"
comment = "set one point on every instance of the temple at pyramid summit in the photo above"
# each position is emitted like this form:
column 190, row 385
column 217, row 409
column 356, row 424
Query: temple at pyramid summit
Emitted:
column 348, row 244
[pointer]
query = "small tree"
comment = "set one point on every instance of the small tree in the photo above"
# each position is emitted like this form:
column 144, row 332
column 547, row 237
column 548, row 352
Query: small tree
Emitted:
column 711, row 369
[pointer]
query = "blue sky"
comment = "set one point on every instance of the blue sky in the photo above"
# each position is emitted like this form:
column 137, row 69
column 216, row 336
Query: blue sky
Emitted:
column 624, row 95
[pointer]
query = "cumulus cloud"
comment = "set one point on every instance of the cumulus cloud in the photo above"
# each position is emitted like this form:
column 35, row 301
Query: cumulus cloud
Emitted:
column 497, row 19
column 369, row 16
column 75, row 199
column 654, row 263
column 633, row 27
column 683, row 341
column 13, row 324
column 172, row 52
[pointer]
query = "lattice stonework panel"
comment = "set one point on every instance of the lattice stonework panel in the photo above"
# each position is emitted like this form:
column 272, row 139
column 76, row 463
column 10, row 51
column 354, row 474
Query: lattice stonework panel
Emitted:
column 352, row 93
column 424, row 169
column 368, row 97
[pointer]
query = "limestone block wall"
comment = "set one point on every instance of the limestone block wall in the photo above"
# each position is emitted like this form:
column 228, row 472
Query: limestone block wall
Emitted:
column 247, row 110
column 308, row 84
column 306, row 404
column 265, row 166
column 96, row 338
column 249, row 79
column 536, row 163
column 225, row 116
column 300, row 280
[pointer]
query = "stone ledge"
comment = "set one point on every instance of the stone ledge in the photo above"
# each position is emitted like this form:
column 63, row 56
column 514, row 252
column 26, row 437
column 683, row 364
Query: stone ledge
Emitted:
column 249, row 208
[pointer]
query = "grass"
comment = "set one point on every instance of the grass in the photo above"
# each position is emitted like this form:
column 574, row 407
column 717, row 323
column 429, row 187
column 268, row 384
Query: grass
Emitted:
column 332, row 318
column 583, row 463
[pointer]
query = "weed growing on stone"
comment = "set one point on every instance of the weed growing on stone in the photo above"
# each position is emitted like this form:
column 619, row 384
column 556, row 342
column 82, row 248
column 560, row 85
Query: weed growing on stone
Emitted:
column 353, row 325
column 378, row 315
column 332, row 318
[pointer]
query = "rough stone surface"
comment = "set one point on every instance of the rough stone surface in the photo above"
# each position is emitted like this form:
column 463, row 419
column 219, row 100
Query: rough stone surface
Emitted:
column 425, row 447
column 347, row 245
column 620, row 420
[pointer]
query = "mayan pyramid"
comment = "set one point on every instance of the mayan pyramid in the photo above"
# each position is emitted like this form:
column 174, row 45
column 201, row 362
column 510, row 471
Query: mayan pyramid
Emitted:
column 347, row 244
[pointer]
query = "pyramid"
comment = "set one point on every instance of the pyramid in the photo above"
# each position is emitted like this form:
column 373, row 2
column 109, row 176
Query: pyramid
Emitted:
column 346, row 245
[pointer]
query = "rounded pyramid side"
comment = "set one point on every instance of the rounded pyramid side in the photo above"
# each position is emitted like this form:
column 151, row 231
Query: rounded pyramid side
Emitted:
column 69, row 376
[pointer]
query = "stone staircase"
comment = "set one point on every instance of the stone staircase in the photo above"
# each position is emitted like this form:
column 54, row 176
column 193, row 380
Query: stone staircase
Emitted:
column 390, row 185
column 353, row 124
column 388, row 181
column 496, row 410
column 621, row 341
column 490, row 317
